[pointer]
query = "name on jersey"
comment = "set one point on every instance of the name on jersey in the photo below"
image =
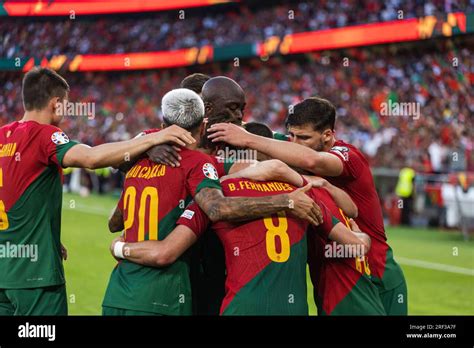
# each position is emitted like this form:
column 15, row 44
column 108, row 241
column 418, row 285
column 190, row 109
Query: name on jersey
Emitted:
column 146, row 172
column 7, row 150
column 262, row 187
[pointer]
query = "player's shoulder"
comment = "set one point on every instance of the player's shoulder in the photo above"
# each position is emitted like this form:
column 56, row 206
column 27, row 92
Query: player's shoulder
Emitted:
column 148, row 131
column 31, row 128
column 191, row 158
column 346, row 151
column 193, row 161
column 189, row 155
column 53, row 134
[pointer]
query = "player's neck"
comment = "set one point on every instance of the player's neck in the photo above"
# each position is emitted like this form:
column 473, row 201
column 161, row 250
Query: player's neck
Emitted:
column 330, row 144
column 41, row 117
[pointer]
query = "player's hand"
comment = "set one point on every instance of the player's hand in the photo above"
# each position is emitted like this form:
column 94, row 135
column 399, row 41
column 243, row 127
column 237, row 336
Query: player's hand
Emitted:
column 354, row 226
column 112, row 246
column 316, row 181
column 229, row 133
column 63, row 252
column 165, row 154
column 174, row 134
column 303, row 207
column 364, row 237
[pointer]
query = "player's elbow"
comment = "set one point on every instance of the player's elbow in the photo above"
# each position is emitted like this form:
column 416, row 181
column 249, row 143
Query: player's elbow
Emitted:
column 275, row 169
column 352, row 212
column 87, row 160
column 309, row 163
column 92, row 162
column 115, row 226
column 163, row 257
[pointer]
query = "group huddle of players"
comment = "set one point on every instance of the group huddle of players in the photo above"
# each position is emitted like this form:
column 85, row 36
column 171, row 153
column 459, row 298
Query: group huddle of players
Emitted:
column 202, row 233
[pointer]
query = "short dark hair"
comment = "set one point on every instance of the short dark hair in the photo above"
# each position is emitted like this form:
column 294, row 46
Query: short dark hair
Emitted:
column 40, row 85
column 221, row 117
column 194, row 82
column 318, row 112
column 259, row 129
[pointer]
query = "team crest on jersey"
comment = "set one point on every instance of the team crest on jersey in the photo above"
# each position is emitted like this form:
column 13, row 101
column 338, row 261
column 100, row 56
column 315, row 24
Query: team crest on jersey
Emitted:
column 210, row 172
column 342, row 151
column 59, row 138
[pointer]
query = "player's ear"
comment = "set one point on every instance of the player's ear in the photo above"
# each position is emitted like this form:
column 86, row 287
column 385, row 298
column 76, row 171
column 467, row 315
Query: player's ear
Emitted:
column 163, row 125
column 327, row 135
column 202, row 129
column 54, row 104
column 207, row 108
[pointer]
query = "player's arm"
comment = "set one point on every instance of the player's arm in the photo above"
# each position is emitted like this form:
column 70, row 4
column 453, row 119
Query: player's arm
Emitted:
column 116, row 220
column 343, row 235
column 335, row 230
column 268, row 170
column 190, row 226
column 218, row 207
column 113, row 154
column 319, row 163
column 155, row 253
column 342, row 199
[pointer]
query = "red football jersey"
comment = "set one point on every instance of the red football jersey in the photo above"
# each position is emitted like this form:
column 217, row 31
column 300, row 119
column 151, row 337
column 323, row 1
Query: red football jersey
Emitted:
column 332, row 277
column 263, row 256
column 356, row 179
column 31, row 157
column 155, row 195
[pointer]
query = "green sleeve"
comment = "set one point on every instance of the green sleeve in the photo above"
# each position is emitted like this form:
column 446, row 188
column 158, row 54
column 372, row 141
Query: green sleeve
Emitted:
column 62, row 149
column 280, row 136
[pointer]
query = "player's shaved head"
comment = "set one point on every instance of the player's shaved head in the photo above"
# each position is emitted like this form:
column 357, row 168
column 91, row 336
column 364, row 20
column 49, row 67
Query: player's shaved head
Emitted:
column 223, row 95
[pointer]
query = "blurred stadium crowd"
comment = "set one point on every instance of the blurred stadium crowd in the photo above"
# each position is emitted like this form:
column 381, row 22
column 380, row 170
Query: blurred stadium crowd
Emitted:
column 248, row 21
column 438, row 75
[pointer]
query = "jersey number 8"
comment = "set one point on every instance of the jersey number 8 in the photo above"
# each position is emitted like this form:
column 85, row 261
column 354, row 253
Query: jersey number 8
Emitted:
column 279, row 231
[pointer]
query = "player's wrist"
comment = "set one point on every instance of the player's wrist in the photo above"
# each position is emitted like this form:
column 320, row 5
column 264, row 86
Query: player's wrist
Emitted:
column 248, row 140
column 118, row 250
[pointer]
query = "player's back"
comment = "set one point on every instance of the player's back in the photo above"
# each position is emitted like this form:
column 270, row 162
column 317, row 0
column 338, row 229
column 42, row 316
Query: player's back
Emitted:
column 30, row 203
column 265, row 258
column 334, row 274
column 357, row 181
column 153, row 198
column 361, row 189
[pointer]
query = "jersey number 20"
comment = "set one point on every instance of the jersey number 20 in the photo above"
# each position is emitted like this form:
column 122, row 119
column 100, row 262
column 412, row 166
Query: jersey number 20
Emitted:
column 149, row 193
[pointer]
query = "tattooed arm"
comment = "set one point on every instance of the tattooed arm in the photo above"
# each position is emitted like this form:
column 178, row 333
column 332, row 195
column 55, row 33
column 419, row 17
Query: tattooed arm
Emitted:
column 218, row 207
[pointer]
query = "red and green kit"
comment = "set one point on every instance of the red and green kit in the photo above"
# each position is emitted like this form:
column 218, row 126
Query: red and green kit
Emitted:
column 31, row 157
column 342, row 284
column 265, row 258
column 356, row 179
column 153, row 198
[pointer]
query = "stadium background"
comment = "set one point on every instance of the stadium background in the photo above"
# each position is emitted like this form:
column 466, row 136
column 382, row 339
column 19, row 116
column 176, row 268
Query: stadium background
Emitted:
column 423, row 54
